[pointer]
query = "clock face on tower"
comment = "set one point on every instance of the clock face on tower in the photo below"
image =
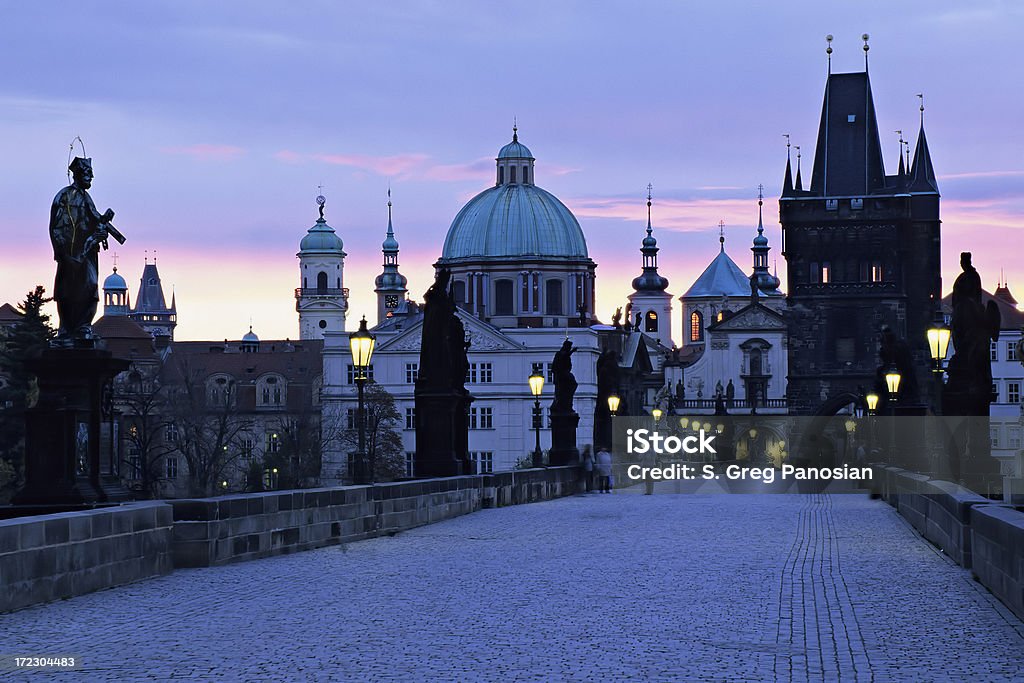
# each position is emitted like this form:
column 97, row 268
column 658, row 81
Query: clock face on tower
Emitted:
column 390, row 301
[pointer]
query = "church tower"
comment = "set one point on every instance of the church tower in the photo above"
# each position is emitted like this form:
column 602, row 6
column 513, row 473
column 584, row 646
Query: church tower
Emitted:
column 649, row 298
column 390, row 285
column 321, row 300
column 115, row 295
column 767, row 284
column 151, row 311
column 862, row 253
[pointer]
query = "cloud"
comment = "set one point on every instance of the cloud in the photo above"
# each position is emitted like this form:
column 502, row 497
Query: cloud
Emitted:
column 207, row 152
column 474, row 170
column 680, row 215
column 395, row 165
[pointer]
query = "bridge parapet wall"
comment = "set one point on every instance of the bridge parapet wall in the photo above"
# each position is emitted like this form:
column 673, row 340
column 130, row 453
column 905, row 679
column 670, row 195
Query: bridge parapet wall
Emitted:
column 977, row 533
column 61, row 555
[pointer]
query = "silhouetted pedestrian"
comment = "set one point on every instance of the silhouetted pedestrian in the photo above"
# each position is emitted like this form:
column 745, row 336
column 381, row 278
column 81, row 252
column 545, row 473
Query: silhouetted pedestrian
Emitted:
column 604, row 469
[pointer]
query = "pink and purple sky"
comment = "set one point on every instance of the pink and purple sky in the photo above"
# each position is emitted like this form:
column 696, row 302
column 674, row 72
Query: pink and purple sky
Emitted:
column 211, row 125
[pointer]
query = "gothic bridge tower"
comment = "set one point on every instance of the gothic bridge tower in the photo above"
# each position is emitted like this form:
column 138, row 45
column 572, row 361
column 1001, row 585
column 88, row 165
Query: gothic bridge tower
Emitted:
column 861, row 249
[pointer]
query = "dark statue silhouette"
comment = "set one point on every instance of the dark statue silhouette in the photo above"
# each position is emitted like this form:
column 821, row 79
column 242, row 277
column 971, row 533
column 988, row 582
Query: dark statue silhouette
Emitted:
column 565, row 381
column 77, row 231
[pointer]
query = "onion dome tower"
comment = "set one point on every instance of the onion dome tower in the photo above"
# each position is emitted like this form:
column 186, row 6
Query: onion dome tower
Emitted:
column 115, row 295
column 767, row 284
column 649, row 298
column 390, row 285
column 321, row 300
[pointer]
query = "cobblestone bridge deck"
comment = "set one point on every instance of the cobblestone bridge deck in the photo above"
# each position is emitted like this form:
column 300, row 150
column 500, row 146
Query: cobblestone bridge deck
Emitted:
column 597, row 587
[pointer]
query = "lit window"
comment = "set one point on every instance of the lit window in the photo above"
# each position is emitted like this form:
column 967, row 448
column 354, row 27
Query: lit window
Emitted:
column 696, row 327
column 826, row 273
column 651, row 324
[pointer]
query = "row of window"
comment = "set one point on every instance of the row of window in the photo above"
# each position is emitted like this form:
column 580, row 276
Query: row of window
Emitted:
column 476, row 373
column 512, row 174
column 1011, row 351
column 854, row 271
column 1012, row 441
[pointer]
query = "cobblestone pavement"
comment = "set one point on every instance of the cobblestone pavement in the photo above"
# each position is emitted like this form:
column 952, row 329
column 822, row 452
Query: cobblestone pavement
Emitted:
column 598, row 587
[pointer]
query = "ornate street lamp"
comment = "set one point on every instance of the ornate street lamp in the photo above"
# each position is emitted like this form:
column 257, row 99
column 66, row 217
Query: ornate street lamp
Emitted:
column 892, row 381
column 872, row 400
column 361, row 344
column 938, row 344
column 656, row 414
column 613, row 404
column 537, row 386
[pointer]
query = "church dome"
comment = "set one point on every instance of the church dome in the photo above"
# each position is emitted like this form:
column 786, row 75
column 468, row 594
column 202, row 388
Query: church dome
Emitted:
column 250, row 337
column 515, row 218
column 115, row 282
column 322, row 239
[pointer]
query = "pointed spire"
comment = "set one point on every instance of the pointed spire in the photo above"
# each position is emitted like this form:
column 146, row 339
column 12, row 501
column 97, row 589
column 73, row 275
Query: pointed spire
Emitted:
column 799, row 183
column 787, row 181
column 649, row 188
column 922, row 173
column 902, row 170
column 760, row 204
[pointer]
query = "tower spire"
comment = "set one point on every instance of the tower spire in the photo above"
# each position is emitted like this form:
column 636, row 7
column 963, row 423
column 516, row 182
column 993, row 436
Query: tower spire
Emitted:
column 649, row 188
column 721, row 235
column 787, row 181
column 902, row 170
column 799, row 183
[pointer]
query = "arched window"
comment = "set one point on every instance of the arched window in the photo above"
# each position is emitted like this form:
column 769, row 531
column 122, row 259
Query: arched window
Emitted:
column 526, row 174
column 756, row 364
column 696, row 327
column 220, row 391
column 504, row 297
column 511, row 174
column 651, row 322
column 501, row 175
column 270, row 391
column 553, row 294
column 321, row 281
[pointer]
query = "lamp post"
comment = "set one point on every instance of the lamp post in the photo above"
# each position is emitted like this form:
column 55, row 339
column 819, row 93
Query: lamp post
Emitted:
column 537, row 386
column 656, row 414
column 872, row 400
column 938, row 344
column 361, row 345
column 892, row 382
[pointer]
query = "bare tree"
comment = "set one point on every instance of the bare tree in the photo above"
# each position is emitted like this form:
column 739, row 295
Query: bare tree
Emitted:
column 208, row 425
column 384, row 450
column 149, row 429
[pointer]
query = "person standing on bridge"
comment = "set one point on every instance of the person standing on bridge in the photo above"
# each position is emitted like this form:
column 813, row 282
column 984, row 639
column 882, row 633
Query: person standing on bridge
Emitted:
column 648, row 462
column 604, row 469
column 588, row 468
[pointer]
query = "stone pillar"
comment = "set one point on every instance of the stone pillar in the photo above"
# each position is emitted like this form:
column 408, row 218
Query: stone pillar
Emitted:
column 442, row 433
column 563, row 438
column 69, row 455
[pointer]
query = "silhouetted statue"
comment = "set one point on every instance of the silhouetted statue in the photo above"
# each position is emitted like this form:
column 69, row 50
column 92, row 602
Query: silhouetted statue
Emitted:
column 973, row 327
column 680, row 390
column 565, row 381
column 77, row 230
column 730, row 393
column 443, row 347
column 617, row 318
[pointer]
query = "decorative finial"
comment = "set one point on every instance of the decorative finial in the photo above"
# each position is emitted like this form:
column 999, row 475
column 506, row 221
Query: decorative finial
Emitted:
column 649, row 188
column 828, row 51
column 760, row 204
column 320, row 200
column 721, row 235
column 786, row 135
column 154, row 257
column 867, row 47
column 920, row 97
column 515, row 130
column 145, row 256
column 115, row 261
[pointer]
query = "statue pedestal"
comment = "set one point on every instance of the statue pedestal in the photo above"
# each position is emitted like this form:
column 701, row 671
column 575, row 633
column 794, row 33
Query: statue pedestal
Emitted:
column 442, row 433
column 70, row 445
column 563, row 438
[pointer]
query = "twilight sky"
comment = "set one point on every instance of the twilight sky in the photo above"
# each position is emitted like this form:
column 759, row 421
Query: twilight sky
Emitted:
column 211, row 125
